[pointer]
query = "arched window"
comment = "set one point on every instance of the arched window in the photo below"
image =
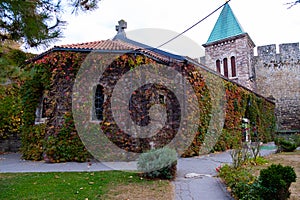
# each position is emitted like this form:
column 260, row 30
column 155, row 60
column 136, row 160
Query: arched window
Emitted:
column 98, row 103
column 233, row 67
column 40, row 113
column 225, row 66
column 218, row 65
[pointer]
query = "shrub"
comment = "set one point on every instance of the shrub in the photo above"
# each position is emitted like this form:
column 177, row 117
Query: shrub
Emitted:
column 239, row 156
column 285, row 145
column 296, row 139
column 158, row 163
column 275, row 182
column 240, row 180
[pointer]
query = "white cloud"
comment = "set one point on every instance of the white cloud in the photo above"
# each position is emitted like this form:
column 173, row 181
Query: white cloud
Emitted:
column 266, row 21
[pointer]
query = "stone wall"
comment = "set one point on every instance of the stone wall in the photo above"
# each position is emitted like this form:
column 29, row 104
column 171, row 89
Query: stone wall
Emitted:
column 278, row 76
column 10, row 144
column 241, row 47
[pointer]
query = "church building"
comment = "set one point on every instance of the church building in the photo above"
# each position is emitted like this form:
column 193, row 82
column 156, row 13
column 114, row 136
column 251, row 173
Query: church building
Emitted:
column 230, row 83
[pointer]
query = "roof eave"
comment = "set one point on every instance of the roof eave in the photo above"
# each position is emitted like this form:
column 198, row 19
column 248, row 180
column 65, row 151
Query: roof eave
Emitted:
column 229, row 38
column 87, row 50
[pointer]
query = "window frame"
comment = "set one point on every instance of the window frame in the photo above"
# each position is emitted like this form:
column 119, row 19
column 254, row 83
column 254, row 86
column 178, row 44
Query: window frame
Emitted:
column 95, row 116
column 225, row 67
column 218, row 66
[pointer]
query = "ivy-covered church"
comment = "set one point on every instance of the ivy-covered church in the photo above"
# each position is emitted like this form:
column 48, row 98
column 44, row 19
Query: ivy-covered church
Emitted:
column 50, row 95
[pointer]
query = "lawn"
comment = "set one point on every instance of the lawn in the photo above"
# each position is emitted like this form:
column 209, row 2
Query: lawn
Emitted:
column 82, row 185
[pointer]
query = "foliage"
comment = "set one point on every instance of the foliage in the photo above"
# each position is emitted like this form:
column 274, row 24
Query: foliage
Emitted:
column 11, row 79
column 275, row 182
column 228, row 140
column 285, row 145
column 11, row 57
column 10, row 119
column 53, row 75
column 61, row 143
column 33, row 138
column 242, row 103
column 75, row 185
column 158, row 163
column 240, row 180
column 296, row 139
column 239, row 156
column 66, row 144
column 35, row 22
column 258, row 161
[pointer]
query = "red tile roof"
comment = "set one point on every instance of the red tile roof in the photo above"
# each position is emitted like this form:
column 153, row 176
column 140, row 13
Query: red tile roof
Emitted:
column 101, row 45
column 107, row 45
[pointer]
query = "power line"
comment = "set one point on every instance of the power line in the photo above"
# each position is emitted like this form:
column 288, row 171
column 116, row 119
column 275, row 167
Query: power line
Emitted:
column 193, row 25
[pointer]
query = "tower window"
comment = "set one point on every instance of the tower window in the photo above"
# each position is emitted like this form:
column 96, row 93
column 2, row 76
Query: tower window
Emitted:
column 225, row 66
column 233, row 67
column 218, row 65
column 98, row 103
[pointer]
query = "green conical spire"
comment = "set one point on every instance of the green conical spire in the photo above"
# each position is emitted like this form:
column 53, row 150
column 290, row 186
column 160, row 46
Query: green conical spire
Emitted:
column 226, row 26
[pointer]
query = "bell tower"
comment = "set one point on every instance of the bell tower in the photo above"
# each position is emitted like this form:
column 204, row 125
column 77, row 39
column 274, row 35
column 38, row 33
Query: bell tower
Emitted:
column 229, row 50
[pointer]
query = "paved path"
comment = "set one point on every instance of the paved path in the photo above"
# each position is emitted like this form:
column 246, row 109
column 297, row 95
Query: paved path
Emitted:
column 12, row 162
column 205, row 186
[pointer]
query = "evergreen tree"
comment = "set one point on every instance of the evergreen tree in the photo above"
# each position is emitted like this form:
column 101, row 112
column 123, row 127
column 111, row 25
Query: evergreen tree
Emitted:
column 36, row 22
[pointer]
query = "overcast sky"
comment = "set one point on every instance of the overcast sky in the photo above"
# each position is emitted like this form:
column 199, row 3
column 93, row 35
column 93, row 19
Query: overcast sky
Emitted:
column 266, row 21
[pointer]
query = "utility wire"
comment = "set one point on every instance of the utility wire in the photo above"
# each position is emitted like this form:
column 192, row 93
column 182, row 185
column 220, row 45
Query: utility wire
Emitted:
column 192, row 26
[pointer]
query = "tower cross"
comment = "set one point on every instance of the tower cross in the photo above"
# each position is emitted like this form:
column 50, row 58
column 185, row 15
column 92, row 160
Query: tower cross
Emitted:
column 122, row 25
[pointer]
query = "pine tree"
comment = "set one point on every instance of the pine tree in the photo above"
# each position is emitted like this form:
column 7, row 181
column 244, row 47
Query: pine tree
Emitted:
column 36, row 22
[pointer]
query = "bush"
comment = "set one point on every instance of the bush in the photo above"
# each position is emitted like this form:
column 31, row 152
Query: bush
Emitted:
column 158, row 163
column 296, row 139
column 285, row 145
column 275, row 182
column 241, row 182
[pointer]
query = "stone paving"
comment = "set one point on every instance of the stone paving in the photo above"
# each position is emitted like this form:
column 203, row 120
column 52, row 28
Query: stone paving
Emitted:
column 204, row 184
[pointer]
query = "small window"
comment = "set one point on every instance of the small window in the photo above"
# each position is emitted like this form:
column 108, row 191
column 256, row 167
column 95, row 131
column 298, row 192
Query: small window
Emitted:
column 98, row 103
column 161, row 99
column 225, row 66
column 233, row 67
column 218, row 65
column 40, row 113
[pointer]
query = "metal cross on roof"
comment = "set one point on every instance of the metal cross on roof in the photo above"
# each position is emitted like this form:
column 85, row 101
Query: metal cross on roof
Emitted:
column 122, row 25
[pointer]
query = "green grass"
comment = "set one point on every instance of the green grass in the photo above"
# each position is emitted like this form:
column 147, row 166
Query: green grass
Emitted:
column 64, row 185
